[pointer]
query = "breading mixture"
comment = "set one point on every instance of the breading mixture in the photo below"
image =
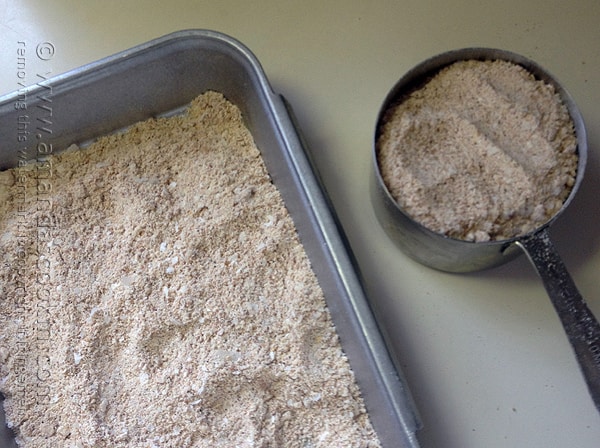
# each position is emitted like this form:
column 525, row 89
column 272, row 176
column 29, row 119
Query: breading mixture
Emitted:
column 155, row 294
column 483, row 151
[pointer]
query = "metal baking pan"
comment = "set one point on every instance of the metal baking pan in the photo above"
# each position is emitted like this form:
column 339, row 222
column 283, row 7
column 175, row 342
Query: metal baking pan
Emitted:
column 162, row 76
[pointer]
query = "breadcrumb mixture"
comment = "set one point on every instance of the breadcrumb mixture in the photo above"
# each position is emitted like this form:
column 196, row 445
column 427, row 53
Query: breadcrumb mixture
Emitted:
column 483, row 151
column 162, row 299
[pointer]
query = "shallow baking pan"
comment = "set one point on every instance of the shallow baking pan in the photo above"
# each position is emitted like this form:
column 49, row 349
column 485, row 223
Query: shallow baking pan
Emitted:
column 161, row 77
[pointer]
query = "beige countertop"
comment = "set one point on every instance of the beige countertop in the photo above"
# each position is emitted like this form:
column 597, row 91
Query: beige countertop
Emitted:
column 484, row 354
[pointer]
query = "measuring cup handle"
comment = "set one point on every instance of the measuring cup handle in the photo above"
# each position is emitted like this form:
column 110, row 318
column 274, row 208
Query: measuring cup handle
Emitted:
column 579, row 323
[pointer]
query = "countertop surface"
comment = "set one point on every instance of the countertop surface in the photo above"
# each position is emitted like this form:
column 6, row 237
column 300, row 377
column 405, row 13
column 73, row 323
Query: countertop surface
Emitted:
column 484, row 354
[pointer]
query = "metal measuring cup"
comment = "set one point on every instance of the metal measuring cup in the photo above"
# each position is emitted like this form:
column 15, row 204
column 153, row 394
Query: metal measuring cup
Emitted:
column 453, row 255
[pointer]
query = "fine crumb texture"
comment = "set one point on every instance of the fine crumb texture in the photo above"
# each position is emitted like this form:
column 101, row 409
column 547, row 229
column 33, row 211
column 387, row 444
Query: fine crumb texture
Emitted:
column 155, row 294
column 483, row 151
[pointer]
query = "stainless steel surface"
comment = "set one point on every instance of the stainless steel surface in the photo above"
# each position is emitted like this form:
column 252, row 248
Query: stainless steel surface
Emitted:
column 431, row 248
column 449, row 254
column 582, row 328
column 7, row 437
column 164, row 75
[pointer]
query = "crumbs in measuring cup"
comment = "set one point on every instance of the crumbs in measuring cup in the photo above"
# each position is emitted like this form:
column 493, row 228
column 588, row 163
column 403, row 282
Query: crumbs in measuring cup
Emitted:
column 483, row 151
